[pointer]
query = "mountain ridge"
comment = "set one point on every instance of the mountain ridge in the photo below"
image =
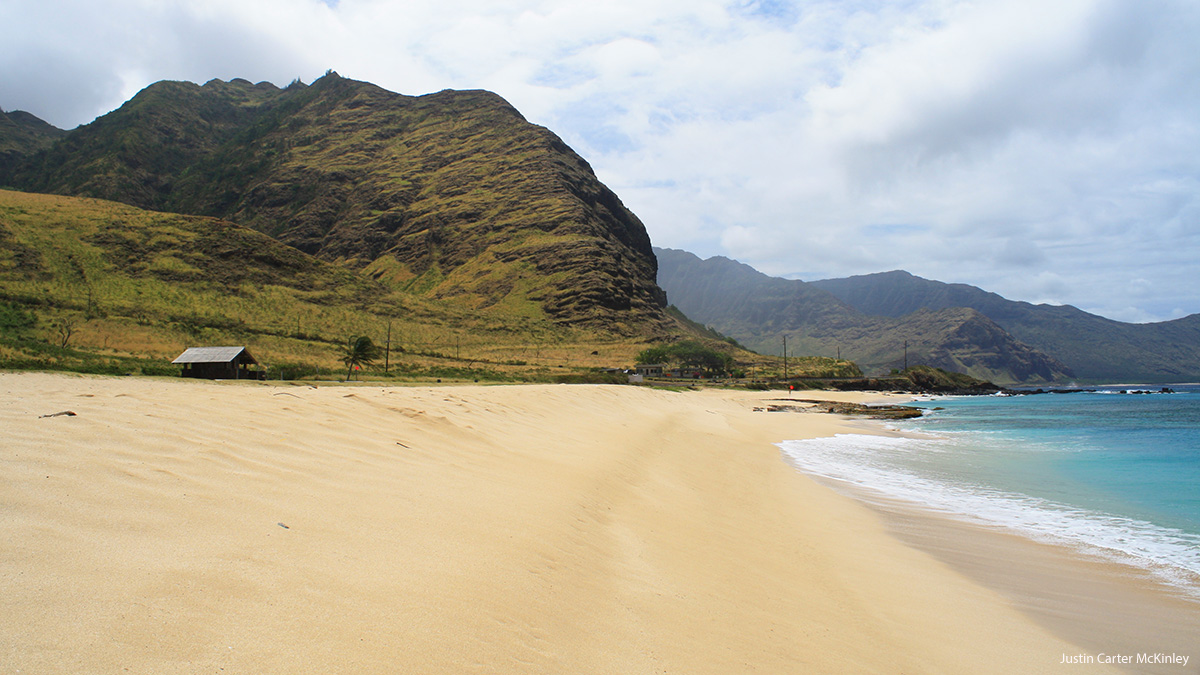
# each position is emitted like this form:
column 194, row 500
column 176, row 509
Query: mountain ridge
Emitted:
column 1096, row 348
column 104, row 287
column 758, row 310
column 452, row 195
column 455, row 197
column 21, row 134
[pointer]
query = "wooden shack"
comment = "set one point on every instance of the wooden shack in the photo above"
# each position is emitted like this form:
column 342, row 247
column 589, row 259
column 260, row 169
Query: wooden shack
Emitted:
column 219, row 363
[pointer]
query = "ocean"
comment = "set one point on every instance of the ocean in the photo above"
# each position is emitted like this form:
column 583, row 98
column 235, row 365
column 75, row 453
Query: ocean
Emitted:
column 1110, row 473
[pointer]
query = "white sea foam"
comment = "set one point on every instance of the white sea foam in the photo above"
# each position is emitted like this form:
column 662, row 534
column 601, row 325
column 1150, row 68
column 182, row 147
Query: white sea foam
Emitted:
column 873, row 465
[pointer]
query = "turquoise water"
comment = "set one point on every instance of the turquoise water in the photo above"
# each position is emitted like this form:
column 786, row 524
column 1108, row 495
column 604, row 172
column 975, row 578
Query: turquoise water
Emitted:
column 1117, row 474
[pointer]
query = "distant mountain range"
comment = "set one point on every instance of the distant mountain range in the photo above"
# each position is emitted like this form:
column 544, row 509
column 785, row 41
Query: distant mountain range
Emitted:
column 878, row 320
column 1095, row 348
column 451, row 196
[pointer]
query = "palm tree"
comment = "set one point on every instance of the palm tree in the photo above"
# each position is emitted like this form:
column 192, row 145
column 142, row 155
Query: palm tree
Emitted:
column 359, row 351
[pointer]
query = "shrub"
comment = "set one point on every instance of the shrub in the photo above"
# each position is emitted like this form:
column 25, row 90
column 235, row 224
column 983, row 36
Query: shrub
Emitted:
column 13, row 318
column 688, row 354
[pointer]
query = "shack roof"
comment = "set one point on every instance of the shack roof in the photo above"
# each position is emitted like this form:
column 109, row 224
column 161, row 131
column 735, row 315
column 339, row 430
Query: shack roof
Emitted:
column 214, row 355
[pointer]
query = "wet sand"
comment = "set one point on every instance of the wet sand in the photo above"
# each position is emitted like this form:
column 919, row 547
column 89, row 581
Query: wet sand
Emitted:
column 1086, row 597
column 1099, row 603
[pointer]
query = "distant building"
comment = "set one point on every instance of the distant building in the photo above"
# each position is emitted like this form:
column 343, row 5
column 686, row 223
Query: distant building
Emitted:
column 650, row 369
column 219, row 363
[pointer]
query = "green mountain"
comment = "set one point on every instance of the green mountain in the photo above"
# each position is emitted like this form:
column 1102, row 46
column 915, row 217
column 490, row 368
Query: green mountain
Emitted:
column 94, row 285
column 1095, row 348
column 450, row 196
column 759, row 310
column 22, row 134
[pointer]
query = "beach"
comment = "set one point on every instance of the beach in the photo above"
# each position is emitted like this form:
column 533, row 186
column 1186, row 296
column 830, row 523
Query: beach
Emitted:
column 184, row 526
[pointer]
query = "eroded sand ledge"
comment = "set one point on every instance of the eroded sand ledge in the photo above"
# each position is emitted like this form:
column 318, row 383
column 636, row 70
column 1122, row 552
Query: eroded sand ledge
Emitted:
column 178, row 526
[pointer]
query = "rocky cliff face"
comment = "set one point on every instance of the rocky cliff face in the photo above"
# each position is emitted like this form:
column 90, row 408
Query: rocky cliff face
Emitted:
column 450, row 195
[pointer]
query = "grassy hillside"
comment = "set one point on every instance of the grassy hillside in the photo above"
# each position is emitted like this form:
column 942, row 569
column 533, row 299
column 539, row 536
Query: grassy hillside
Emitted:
column 452, row 195
column 94, row 285
column 137, row 153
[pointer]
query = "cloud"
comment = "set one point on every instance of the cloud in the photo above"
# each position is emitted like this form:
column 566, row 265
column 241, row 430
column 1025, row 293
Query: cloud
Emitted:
column 1021, row 135
column 1045, row 151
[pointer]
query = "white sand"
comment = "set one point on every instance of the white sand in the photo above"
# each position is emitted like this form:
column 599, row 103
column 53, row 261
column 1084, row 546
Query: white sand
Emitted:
column 176, row 526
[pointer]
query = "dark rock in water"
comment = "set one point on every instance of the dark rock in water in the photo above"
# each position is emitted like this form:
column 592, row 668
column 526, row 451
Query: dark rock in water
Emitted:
column 883, row 412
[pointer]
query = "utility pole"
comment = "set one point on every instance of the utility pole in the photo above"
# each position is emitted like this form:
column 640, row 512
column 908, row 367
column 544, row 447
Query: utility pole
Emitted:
column 387, row 352
column 785, row 370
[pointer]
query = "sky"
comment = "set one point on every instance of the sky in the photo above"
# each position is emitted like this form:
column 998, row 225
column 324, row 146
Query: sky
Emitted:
column 1045, row 151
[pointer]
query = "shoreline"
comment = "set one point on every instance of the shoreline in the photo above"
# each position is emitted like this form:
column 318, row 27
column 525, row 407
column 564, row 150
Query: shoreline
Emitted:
column 173, row 526
column 1096, row 601
column 1103, row 605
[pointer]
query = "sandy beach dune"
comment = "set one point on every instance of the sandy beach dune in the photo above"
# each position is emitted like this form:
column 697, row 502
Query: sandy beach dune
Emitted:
column 183, row 527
